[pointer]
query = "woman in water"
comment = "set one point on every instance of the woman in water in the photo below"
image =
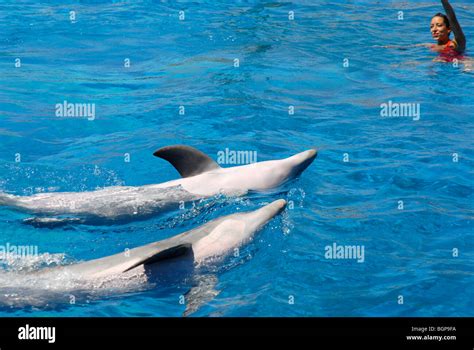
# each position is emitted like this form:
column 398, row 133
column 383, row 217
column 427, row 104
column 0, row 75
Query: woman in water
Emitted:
column 441, row 27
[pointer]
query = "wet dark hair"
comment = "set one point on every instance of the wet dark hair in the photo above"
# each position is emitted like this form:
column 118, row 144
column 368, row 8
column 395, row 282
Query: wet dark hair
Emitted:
column 445, row 18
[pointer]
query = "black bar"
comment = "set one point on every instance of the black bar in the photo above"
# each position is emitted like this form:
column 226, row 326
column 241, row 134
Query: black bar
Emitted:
column 381, row 331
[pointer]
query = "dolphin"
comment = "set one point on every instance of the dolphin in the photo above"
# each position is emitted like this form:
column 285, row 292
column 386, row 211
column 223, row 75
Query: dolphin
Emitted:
column 214, row 239
column 206, row 244
column 201, row 177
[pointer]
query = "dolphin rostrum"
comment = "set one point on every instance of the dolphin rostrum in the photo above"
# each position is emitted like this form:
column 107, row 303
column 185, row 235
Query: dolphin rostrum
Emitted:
column 206, row 243
column 201, row 177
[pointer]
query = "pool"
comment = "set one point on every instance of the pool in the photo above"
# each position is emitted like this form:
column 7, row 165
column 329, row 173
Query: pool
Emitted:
column 275, row 78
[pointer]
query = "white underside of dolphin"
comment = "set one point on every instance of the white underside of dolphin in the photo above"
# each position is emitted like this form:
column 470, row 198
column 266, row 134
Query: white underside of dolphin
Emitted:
column 214, row 239
column 201, row 178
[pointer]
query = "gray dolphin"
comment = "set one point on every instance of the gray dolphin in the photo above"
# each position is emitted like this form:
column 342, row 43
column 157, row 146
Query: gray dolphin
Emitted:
column 201, row 177
column 213, row 239
column 207, row 243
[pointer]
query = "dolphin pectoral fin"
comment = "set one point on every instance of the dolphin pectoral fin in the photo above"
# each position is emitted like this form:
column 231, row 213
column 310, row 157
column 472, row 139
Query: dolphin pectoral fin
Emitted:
column 203, row 292
column 188, row 161
column 51, row 222
column 168, row 253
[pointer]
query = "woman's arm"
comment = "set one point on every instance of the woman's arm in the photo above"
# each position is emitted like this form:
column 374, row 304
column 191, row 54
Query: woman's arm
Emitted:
column 456, row 28
column 401, row 47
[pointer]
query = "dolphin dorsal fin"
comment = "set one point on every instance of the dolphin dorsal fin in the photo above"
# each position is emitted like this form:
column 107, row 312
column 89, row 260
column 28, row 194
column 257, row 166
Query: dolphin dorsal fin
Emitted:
column 187, row 160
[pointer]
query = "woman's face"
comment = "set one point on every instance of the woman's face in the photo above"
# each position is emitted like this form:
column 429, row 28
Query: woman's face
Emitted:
column 439, row 30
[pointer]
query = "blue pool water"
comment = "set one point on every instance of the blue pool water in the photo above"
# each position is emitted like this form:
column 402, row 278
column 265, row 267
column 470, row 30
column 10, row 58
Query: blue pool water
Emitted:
column 282, row 63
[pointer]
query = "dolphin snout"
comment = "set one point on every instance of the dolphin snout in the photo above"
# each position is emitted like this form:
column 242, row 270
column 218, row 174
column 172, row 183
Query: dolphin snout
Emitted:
column 309, row 155
column 312, row 153
column 276, row 206
column 261, row 216
column 299, row 162
column 305, row 157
